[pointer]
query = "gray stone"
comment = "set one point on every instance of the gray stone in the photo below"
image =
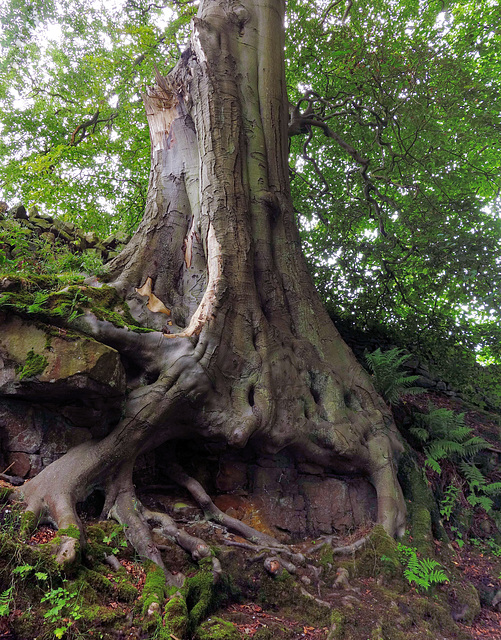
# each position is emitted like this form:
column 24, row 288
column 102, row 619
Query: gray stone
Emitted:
column 72, row 366
column 426, row 383
column 18, row 211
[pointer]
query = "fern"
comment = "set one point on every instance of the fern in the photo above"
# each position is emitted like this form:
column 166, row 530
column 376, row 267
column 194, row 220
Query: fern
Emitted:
column 388, row 380
column 422, row 572
column 472, row 474
column 446, row 436
column 492, row 489
column 479, row 489
column 5, row 601
column 451, row 495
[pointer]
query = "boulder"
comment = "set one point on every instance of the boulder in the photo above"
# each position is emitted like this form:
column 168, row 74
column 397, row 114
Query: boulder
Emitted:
column 18, row 211
column 38, row 361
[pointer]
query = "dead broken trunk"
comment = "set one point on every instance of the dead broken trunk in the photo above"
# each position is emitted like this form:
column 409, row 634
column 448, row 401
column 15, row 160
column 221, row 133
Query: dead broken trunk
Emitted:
column 244, row 353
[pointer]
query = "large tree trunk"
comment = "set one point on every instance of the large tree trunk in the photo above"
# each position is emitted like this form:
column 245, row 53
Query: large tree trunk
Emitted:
column 244, row 352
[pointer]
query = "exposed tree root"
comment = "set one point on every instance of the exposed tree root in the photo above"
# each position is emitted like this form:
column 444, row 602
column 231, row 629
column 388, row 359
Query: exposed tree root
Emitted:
column 212, row 512
column 168, row 529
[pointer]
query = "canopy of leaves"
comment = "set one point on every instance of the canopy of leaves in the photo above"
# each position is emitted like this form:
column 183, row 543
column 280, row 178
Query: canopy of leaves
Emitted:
column 395, row 162
column 73, row 135
column 400, row 210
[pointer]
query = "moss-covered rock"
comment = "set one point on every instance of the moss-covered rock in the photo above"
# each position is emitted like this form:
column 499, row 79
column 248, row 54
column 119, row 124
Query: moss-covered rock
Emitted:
column 379, row 556
column 34, row 365
column 466, row 606
column 153, row 596
column 336, row 631
column 217, row 629
column 37, row 362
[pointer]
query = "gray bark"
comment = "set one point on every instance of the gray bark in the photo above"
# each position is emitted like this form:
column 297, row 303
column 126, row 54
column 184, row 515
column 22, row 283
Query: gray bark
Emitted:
column 244, row 352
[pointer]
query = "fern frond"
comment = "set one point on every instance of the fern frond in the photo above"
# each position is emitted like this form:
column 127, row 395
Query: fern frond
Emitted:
column 472, row 474
column 480, row 501
column 444, row 448
column 433, row 464
column 389, row 381
column 5, row 601
column 474, row 445
column 420, row 433
column 492, row 489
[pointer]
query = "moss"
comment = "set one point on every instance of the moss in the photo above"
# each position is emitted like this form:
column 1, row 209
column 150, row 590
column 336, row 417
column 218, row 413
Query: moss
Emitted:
column 154, row 587
column 217, row 629
column 34, row 365
column 98, row 581
column 97, row 613
column 175, row 621
column 17, row 553
column 71, row 532
column 108, row 306
column 282, row 592
column 436, row 616
column 272, row 632
column 468, row 599
column 379, row 556
column 423, row 511
column 204, row 595
column 200, row 596
column 326, row 556
column 126, row 592
column 390, row 632
column 336, row 631
column 26, row 625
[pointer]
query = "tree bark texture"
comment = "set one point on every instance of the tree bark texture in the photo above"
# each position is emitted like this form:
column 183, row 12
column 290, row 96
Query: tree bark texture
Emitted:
column 243, row 352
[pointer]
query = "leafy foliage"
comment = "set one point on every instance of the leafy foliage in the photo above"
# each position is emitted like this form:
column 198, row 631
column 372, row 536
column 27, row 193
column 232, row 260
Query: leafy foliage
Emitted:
column 388, row 378
column 396, row 194
column 446, row 436
column 5, row 601
column 404, row 232
column 421, row 572
column 480, row 489
column 449, row 501
column 35, row 255
column 73, row 137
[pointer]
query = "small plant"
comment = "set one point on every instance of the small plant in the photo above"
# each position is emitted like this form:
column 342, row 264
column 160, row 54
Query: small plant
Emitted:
column 6, row 598
column 422, row 572
column 387, row 376
column 22, row 570
column 34, row 365
column 459, row 537
column 480, row 489
column 488, row 545
column 448, row 502
column 446, row 437
column 64, row 608
column 115, row 547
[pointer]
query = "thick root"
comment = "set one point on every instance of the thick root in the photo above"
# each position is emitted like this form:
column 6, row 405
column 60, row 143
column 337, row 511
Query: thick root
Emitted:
column 212, row 512
column 169, row 529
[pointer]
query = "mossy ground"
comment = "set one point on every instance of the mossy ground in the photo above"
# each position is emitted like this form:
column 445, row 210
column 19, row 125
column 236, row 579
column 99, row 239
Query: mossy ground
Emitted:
column 97, row 602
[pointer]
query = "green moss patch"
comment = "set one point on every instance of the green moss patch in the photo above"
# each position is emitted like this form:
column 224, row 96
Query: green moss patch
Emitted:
column 34, row 365
column 379, row 556
column 217, row 629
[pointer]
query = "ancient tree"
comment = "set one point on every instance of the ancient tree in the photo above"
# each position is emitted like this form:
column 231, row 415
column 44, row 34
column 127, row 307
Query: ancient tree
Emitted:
column 243, row 352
